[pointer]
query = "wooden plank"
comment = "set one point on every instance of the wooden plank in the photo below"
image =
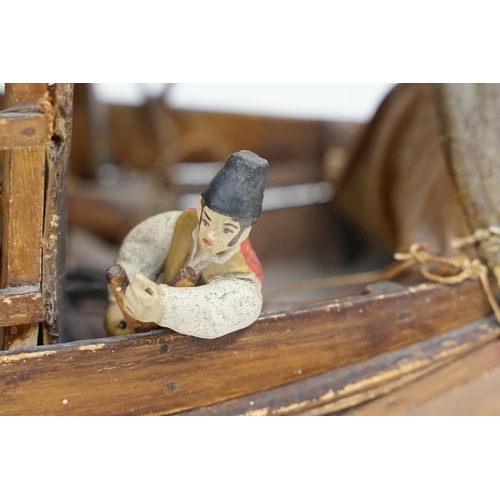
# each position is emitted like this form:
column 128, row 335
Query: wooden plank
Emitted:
column 351, row 385
column 164, row 373
column 477, row 397
column 416, row 396
column 22, row 130
column 54, row 229
column 22, row 221
column 20, row 305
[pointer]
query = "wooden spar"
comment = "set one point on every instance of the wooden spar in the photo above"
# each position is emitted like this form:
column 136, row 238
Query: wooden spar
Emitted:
column 22, row 210
column 165, row 373
column 37, row 149
column 54, row 212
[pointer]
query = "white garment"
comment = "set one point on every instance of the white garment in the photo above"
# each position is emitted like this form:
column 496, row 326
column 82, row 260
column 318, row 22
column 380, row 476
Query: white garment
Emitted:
column 222, row 306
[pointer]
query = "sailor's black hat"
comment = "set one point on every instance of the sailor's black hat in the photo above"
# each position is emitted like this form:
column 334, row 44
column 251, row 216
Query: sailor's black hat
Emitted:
column 237, row 190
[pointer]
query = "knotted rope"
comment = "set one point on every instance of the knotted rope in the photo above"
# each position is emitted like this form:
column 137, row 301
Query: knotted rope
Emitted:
column 461, row 266
column 477, row 237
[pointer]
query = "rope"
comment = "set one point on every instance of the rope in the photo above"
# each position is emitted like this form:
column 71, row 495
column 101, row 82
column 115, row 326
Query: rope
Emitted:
column 477, row 237
column 463, row 267
column 43, row 105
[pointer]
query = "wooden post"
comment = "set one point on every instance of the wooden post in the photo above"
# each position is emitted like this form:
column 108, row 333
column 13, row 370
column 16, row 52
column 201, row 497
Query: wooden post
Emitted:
column 22, row 221
column 54, row 229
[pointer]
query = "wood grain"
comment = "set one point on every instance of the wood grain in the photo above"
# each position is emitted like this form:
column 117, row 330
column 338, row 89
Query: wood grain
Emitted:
column 393, row 373
column 20, row 305
column 423, row 394
column 165, row 373
column 54, row 227
column 23, row 212
column 479, row 396
column 22, row 130
column 22, row 222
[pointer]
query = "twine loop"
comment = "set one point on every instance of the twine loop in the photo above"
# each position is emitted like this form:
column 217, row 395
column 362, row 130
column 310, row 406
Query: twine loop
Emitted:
column 462, row 268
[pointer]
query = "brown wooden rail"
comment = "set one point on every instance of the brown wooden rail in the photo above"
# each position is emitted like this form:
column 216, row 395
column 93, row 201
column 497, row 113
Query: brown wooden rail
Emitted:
column 20, row 304
column 164, row 373
column 23, row 130
column 350, row 386
column 36, row 154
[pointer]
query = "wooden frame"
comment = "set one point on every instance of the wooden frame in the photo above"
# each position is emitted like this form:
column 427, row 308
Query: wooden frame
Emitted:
column 35, row 136
column 166, row 373
column 318, row 360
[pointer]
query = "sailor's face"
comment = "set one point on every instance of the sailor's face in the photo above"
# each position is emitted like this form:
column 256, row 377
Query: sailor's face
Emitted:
column 217, row 232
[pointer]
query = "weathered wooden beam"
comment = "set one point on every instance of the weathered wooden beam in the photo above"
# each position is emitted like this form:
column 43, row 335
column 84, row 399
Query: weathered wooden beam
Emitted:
column 417, row 396
column 20, row 305
column 23, row 130
column 166, row 373
column 478, row 396
column 353, row 385
column 22, row 215
column 54, row 226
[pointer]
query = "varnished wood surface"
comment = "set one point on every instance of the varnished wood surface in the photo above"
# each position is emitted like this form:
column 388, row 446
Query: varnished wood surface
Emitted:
column 447, row 390
column 20, row 305
column 352, row 385
column 22, row 216
column 162, row 373
column 479, row 396
column 22, row 130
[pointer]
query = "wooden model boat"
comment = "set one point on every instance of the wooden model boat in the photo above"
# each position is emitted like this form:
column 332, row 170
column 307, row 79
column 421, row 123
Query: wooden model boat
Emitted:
column 387, row 348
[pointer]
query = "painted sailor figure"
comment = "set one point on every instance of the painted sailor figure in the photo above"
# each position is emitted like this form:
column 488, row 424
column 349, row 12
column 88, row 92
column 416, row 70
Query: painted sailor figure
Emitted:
column 223, row 293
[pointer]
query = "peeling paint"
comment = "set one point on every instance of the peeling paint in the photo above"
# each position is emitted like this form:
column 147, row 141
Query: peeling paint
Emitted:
column 22, row 343
column 261, row 412
column 11, row 358
column 358, row 392
column 93, row 347
column 448, row 343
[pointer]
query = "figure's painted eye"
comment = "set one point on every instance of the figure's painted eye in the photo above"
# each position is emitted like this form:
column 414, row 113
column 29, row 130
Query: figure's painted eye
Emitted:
column 227, row 231
column 205, row 223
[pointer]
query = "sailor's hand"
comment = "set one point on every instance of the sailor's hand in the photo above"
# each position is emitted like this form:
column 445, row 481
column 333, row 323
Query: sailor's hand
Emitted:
column 144, row 300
